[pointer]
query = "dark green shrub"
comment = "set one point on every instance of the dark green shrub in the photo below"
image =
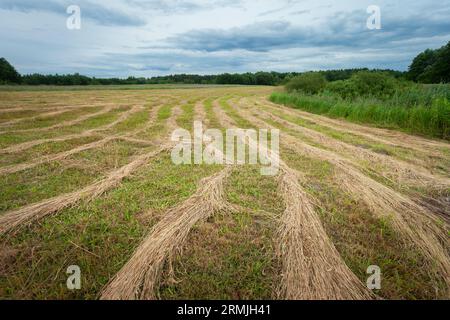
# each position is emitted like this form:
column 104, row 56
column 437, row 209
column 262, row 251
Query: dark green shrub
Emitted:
column 376, row 84
column 365, row 84
column 311, row 83
column 343, row 88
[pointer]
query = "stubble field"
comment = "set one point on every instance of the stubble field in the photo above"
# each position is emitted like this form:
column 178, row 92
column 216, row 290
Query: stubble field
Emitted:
column 87, row 180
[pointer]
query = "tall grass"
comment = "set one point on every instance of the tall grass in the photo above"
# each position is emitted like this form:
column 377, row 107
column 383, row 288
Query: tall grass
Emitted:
column 413, row 112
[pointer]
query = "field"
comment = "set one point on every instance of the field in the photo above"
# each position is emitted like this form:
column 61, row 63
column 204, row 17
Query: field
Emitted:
column 87, row 180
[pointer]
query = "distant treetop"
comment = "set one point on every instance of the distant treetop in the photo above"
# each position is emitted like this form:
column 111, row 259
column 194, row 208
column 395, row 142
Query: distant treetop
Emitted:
column 7, row 72
column 431, row 66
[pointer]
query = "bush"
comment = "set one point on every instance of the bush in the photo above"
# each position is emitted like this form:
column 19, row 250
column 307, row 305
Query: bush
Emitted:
column 311, row 83
column 343, row 88
column 365, row 84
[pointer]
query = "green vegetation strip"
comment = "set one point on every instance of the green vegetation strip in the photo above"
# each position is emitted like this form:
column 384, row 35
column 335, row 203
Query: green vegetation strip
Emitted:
column 433, row 121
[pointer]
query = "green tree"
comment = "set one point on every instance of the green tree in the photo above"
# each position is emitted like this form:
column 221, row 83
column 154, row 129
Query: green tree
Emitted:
column 7, row 72
column 421, row 63
column 439, row 71
column 431, row 66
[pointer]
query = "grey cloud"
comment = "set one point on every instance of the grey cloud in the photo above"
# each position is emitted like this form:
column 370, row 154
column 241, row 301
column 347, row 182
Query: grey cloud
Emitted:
column 98, row 13
column 182, row 6
column 341, row 30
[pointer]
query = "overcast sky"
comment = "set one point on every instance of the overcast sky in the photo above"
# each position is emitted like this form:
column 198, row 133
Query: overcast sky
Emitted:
column 149, row 37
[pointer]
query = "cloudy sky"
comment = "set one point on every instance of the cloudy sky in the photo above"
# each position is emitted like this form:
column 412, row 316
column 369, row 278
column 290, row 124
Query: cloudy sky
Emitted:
column 150, row 37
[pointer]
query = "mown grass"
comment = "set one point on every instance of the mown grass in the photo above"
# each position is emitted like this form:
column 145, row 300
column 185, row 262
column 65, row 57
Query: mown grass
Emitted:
column 134, row 121
column 52, row 179
column 9, row 139
column 12, row 115
column 370, row 168
column 360, row 238
column 231, row 255
column 363, row 240
column 434, row 163
column 209, row 111
column 99, row 236
column 164, row 112
column 45, row 149
column 432, row 121
column 241, row 122
column 42, row 122
column 186, row 119
column 41, row 182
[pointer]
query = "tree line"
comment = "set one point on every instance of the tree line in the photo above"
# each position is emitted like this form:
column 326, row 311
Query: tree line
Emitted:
column 430, row 66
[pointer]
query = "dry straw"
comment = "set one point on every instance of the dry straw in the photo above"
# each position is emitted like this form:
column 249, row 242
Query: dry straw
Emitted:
column 29, row 144
column 391, row 168
column 12, row 220
column 414, row 223
column 312, row 268
column 139, row 277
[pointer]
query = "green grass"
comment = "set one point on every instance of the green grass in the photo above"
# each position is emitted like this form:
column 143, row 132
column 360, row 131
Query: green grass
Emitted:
column 432, row 121
column 42, row 122
column 99, row 236
column 240, row 121
column 41, row 182
column 164, row 112
column 12, row 115
column 211, row 116
column 158, row 129
column 186, row 119
column 9, row 139
column 52, row 179
column 438, row 164
column 45, row 149
column 364, row 240
column 231, row 256
column 133, row 122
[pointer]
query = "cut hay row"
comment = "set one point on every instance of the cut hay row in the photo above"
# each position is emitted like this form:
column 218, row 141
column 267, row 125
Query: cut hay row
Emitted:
column 136, row 140
column 385, row 136
column 29, row 144
column 139, row 277
column 200, row 114
column 39, row 116
column 50, row 108
column 12, row 220
column 391, row 168
column 63, row 124
column 65, row 154
column 312, row 268
column 414, row 223
column 426, row 158
column 96, row 144
column 54, row 157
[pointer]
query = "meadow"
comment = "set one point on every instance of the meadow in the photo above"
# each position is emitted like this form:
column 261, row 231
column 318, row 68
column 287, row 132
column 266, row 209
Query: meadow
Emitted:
column 383, row 102
column 87, row 180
